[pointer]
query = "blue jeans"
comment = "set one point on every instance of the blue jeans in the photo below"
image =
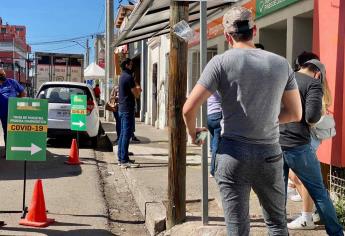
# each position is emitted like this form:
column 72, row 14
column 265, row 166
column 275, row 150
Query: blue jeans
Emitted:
column 118, row 124
column 213, row 125
column 125, row 136
column 242, row 166
column 4, row 127
column 315, row 142
column 303, row 161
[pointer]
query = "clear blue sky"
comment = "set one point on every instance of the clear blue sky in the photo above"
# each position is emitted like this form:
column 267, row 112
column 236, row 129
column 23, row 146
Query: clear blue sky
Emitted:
column 48, row 20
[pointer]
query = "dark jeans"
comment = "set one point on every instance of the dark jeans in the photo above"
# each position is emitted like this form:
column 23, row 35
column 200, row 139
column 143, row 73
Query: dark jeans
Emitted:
column 213, row 125
column 125, row 136
column 118, row 124
column 4, row 127
column 303, row 161
column 242, row 166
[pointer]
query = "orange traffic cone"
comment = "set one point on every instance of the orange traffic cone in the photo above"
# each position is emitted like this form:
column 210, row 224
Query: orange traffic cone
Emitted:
column 73, row 158
column 37, row 216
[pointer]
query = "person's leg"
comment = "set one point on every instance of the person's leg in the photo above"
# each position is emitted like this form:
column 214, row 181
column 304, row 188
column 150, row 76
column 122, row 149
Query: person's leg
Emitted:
column 133, row 122
column 127, row 125
column 210, row 127
column 216, row 140
column 126, row 131
column 119, row 142
column 235, row 192
column 118, row 124
column 307, row 167
column 269, row 186
column 213, row 123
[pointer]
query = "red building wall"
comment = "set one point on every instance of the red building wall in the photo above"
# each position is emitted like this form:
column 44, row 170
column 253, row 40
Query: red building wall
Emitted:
column 14, row 35
column 328, row 42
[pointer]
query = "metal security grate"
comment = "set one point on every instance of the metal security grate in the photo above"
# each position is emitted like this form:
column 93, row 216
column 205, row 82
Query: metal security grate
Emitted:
column 337, row 183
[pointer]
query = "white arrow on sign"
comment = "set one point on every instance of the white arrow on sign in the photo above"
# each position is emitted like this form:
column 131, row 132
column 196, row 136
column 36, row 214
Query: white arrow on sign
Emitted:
column 80, row 123
column 33, row 149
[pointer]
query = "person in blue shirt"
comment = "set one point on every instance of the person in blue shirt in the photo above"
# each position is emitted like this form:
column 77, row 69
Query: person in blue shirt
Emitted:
column 8, row 88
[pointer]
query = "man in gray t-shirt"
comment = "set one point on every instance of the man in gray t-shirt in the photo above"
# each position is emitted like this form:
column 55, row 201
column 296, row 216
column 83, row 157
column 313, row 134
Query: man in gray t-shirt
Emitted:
column 258, row 91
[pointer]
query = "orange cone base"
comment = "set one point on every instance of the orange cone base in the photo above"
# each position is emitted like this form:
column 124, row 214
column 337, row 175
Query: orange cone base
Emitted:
column 37, row 224
column 74, row 162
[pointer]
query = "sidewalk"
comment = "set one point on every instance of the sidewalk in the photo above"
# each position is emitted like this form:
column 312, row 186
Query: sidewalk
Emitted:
column 149, row 185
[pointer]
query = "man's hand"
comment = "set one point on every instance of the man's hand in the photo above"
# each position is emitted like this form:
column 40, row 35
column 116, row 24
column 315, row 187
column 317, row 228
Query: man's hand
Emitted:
column 194, row 136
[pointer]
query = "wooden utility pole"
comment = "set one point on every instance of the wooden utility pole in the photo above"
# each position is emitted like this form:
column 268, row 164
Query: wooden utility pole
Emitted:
column 109, row 52
column 176, row 209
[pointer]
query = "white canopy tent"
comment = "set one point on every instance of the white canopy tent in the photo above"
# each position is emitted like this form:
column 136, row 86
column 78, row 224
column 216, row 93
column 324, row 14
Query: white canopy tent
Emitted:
column 94, row 72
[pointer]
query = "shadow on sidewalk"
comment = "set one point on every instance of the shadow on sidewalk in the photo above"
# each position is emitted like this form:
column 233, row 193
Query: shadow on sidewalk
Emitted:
column 53, row 167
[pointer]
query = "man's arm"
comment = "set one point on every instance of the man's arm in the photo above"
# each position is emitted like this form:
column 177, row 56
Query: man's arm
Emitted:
column 292, row 107
column 196, row 98
column 136, row 91
column 313, row 103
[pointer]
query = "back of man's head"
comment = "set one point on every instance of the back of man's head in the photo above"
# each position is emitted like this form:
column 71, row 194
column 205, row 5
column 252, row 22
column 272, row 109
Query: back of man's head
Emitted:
column 303, row 58
column 125, row 63
column 315, row 66
column 238, row 22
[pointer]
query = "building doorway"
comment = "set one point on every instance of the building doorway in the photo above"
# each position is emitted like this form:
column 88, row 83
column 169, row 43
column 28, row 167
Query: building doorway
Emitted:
column 273, row 37
column 154, row 93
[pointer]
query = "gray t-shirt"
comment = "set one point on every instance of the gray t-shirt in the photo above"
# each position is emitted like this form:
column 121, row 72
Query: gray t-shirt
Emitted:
column 251, row 83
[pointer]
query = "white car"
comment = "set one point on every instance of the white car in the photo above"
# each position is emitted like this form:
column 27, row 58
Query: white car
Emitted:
column 59, row 109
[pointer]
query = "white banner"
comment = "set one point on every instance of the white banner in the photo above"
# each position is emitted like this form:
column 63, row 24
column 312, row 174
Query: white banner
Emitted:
column 76, row 74
column 60, row 73
column 42, row 75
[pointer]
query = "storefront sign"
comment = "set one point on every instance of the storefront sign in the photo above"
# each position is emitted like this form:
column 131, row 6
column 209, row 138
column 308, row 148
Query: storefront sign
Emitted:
column 214, row 29
column 265, row 7
column 78, row 112
column 27, row 129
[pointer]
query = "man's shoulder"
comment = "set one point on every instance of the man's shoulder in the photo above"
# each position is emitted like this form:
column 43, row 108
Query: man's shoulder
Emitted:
column 125, row 77
column 11, row 81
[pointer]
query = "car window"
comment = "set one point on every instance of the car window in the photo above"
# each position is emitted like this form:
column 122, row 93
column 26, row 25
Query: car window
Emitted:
column 61, row 94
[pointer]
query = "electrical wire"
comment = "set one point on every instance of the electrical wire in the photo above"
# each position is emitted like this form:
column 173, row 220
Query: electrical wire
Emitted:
column 56, row 49
column 63, row 40
column 100, row 19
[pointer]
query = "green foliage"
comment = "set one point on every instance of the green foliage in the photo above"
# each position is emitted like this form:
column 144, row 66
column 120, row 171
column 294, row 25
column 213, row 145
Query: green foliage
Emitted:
column 340, row 209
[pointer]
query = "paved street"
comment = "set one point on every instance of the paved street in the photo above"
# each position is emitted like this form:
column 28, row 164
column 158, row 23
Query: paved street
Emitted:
column 73, row 195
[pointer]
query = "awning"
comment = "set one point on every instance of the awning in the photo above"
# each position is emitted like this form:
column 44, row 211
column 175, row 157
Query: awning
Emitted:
column 151, row 18
column 94, row 71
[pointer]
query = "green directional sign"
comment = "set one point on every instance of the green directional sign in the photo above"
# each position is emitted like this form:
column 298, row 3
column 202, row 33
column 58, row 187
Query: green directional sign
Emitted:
column 265, row 7
column 27, row 126
column 78, row 112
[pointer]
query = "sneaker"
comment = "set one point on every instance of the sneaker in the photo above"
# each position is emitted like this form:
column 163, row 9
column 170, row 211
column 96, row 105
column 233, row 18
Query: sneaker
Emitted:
column 129, row 165
column 316, row 217
column 296, row 198
column 301, row 223
column 135, row 139
column 130, row 161
column 116, row 141
column 130, row 154
column 211, row 176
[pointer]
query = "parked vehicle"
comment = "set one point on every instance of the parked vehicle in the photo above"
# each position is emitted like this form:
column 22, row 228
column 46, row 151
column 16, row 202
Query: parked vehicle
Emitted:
column 58, row 67
column 59, row 109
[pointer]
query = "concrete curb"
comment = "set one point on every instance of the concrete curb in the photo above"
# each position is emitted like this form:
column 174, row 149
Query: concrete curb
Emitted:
column 153, row 211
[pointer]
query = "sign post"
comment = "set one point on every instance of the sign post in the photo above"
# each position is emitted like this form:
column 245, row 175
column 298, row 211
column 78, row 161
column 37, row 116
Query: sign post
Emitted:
column 27, row 132
column 78, row 114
